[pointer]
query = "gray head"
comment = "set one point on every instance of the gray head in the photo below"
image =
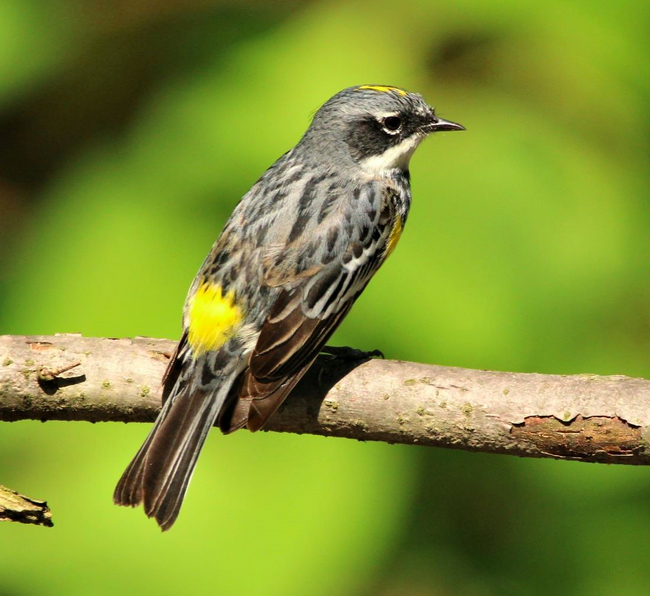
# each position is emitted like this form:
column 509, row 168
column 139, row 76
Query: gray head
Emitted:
column 375, row 126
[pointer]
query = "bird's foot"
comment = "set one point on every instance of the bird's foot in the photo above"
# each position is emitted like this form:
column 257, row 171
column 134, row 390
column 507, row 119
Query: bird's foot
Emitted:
column 350, row 354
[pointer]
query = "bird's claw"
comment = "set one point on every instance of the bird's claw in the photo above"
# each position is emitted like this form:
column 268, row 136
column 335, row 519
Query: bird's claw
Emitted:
column 347, row 353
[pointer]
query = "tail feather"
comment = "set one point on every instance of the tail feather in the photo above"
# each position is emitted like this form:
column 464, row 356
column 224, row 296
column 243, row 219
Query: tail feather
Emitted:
column 173, row 454
column 160, row 472
column 129, row 491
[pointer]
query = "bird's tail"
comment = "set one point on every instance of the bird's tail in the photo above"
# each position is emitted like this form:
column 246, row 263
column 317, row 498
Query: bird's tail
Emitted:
column 160, row 472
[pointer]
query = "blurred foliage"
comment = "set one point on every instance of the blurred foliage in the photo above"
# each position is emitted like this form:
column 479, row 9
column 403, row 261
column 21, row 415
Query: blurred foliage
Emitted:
column 130, row 130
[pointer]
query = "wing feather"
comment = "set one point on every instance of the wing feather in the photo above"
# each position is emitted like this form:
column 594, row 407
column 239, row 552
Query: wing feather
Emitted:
column 288, row 344
column 318, row 290
column 260, row 396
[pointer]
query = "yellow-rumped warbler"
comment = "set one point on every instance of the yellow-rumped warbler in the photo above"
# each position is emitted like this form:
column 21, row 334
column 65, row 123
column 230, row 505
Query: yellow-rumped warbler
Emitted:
column 296, row 253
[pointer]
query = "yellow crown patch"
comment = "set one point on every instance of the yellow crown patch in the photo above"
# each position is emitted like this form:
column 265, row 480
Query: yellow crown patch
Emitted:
column 384, row 89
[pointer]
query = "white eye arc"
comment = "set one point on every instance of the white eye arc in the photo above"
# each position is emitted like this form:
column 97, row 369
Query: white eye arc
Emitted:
column 392, row 124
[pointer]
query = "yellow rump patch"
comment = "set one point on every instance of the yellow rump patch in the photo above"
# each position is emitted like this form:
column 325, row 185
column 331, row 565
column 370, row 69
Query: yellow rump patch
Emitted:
column 213, row 318
column 394, row 236
column 384, row 89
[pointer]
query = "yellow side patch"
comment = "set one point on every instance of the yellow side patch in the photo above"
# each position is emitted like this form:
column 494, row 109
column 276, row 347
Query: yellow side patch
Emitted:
column 384, row 89
column 394, row 236
column 213, row 318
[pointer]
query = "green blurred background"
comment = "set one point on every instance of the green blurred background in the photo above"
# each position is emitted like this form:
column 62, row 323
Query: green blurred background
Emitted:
column 128, row 131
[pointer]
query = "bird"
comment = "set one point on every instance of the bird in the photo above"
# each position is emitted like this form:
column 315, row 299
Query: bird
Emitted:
column 297, row 251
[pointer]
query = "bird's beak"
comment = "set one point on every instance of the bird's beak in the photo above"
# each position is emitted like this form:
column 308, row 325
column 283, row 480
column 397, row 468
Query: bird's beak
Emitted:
column 439, row 125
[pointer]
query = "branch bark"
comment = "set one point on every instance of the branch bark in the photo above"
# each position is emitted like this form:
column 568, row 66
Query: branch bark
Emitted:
column 22, row 509
column 581, row 417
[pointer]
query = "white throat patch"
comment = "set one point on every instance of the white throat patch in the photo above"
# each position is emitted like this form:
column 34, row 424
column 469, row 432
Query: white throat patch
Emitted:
column 396, row 157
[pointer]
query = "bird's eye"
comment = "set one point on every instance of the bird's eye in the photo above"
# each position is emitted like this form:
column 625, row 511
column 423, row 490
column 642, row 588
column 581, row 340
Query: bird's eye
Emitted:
column 392, row 124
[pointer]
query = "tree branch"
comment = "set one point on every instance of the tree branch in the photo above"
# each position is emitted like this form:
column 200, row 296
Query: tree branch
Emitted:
column 581, row 417
column 25, row 510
